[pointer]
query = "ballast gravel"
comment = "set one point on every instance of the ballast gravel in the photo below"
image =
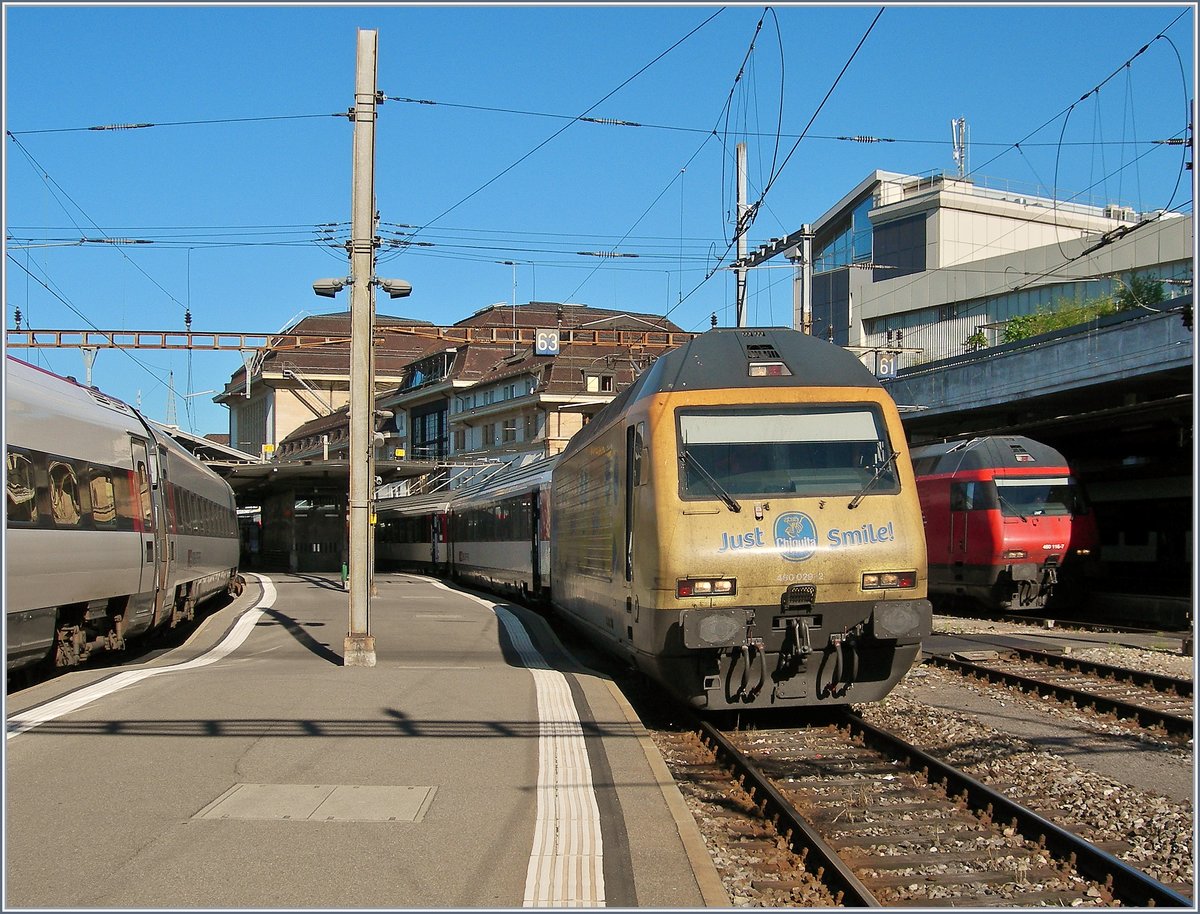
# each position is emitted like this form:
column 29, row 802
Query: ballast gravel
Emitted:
column 1117, row 807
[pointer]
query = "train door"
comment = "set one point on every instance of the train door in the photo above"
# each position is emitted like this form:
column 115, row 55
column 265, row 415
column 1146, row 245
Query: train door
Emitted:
column 144, row 509
column 164, row 540
column 435, row 538
column 535, row 525
column 632, row 458
column 634, row 446
column 968, row 522
column 145, row 471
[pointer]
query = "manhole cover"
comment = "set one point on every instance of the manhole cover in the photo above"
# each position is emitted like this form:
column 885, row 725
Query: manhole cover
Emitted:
column 321, row 803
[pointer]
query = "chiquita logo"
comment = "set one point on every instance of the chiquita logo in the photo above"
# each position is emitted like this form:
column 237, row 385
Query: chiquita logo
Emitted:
column 795, row 536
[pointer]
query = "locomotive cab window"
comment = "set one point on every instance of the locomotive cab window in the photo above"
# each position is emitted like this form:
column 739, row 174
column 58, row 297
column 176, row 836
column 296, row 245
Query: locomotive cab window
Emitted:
column 21, row 492
column 1035, row 496
column 757, row 451
column 977, row 495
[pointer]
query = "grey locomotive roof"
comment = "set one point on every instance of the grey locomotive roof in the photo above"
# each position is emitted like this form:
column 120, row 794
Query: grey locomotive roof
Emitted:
column 721, row 358
column 993, row 452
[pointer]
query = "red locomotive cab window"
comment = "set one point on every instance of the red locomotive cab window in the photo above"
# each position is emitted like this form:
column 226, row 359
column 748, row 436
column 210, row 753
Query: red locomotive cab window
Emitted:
column 978, row 495
column 1036, row 496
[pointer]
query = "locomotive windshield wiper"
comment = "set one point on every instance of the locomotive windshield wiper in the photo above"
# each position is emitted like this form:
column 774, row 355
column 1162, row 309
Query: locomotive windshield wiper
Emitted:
column 1015, row 510
column 730, row 501
column 874, row 479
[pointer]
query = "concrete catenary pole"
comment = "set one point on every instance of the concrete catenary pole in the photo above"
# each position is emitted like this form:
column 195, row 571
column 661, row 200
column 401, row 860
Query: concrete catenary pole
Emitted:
column 742, row 209
column 360, row 644
column 801, row 259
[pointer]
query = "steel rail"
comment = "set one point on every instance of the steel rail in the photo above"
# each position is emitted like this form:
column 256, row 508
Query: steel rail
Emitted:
column 1147, row 717
column 1157, row 681
column 1049, row 622
column 1129, row 884
column 801, row 836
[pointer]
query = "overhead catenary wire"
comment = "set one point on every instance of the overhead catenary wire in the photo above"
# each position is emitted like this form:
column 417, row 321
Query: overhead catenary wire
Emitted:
column 567, row 126
column 862, row 137
column 45, row 176
column 62, row 298
column 762, row 196
column 1047, row 123
column 192, row 123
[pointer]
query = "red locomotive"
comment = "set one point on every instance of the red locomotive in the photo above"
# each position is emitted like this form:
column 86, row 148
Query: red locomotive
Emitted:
column 1006, row 524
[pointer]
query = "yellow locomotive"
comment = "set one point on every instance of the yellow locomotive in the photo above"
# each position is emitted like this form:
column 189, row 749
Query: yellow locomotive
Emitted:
column 742, row 524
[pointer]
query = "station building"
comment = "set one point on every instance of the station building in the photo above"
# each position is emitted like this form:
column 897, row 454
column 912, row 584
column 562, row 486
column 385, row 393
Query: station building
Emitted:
column 463, row 399
column 934, row 265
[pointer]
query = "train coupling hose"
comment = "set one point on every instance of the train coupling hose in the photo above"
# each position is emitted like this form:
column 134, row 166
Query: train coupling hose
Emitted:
column 839, row 667
column 741, row 692
column 744, row 691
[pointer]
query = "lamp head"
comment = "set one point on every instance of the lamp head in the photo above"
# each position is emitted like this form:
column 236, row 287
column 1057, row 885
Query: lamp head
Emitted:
column 395, row 288
column 328, row 288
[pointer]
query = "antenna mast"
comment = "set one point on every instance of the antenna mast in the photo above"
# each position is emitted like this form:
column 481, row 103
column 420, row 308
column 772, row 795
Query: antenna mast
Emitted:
column 958, row 131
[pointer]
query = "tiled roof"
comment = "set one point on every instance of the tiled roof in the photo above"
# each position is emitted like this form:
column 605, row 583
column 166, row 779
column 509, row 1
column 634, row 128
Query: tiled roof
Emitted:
column 391, row 355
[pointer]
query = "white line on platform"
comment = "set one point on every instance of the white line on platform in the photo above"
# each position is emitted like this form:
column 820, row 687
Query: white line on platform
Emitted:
column 566, row 865
column 85, row 696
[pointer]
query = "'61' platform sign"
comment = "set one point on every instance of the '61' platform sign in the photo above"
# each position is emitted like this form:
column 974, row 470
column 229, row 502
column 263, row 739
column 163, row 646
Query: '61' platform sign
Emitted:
column 545, row 342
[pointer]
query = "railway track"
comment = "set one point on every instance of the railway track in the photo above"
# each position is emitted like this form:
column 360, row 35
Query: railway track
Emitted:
column 1152, row 700
column 881, row 823
column 1048, row 623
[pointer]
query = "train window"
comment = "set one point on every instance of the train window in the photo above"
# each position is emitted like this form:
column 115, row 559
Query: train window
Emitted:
column 21, row 490
column 805, row 450
column 64, row 494
column 143, row 484
column 1036, row 496
column 125, row 505
column 973, row 496
column 104, row 499
column 639, row 445
column 923, row 466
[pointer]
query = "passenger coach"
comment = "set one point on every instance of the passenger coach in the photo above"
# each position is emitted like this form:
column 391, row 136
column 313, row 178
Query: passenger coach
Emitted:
column 112, row 529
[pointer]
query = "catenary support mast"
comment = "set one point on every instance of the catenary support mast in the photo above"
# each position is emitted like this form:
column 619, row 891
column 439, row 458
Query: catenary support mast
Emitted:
column 360, row 644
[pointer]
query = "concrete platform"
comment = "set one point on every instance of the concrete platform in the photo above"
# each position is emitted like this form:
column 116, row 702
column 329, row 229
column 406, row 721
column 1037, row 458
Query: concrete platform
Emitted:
column 476, row 765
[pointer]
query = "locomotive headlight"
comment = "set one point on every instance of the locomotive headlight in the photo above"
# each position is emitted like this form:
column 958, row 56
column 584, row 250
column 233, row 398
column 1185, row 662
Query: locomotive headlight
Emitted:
column 704, row 587
column 1083, row 551
column 769, row 370
column 888, row 580
column 1015, row 554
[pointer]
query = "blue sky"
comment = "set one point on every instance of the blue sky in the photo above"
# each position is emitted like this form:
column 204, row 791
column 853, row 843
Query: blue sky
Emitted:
column 234, row 207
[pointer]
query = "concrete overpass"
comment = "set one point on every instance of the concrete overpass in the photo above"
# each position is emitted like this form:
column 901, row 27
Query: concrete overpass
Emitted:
column 1116, row 397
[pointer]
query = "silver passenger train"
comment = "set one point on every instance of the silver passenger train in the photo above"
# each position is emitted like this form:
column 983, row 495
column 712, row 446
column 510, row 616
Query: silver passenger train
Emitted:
column 113, row 530
column 741, row 524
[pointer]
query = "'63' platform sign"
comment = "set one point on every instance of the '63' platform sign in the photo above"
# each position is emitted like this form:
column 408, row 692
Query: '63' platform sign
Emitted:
column 545, row 342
